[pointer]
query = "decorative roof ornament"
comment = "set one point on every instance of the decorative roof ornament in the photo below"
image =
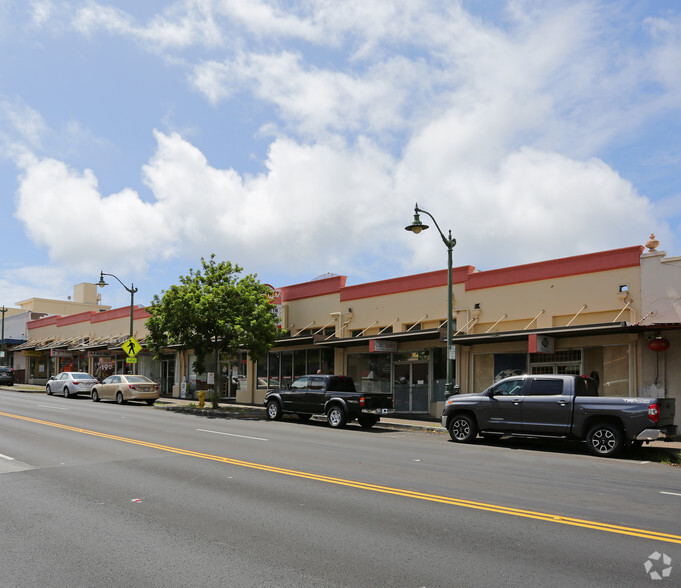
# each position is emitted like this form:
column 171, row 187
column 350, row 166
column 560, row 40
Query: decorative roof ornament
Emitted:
column 652, row 243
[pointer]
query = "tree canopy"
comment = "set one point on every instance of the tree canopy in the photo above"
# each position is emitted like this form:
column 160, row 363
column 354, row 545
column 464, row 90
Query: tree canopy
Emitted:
column 214, row 310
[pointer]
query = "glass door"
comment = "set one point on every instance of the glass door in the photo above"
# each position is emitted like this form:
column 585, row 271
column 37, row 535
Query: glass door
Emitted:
column 411, row 384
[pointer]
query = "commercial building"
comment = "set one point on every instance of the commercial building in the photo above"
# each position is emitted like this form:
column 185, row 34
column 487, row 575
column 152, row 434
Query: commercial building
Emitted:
column 614, row 315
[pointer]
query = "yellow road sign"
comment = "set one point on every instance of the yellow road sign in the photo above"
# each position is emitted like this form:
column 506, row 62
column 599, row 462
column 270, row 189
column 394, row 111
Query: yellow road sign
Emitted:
column 131, row 347
column 131, row 360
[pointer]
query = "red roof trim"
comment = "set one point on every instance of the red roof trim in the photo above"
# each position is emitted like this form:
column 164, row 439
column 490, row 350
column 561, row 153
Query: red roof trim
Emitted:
column 72, row 319
column 557, row 268
column 330, row 285
column 43, row 322
column 406, row 283
column 118, row 313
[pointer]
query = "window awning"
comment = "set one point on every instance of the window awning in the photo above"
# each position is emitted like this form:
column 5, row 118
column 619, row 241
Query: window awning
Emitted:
column 424, row 334
column 557, row 332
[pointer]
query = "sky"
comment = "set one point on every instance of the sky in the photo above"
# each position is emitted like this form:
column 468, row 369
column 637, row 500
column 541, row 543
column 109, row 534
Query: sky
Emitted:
column 294, row 138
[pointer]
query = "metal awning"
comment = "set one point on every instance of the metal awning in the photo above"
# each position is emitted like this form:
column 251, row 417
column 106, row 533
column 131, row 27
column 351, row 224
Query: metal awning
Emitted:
column 403, row 336
column 557, row 332
column 33, row 343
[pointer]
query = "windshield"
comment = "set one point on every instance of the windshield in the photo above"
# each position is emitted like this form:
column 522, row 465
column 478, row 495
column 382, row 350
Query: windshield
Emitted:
column 138, row 379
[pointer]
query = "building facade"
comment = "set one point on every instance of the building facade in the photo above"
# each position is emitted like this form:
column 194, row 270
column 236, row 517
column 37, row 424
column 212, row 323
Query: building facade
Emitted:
column 614, row 315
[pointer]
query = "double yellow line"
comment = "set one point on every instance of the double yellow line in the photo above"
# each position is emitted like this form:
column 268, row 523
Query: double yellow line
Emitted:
column 540, row 516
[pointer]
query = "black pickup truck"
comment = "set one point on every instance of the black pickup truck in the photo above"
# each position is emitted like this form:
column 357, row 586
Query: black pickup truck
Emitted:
column 334, row 396
column 561, row 407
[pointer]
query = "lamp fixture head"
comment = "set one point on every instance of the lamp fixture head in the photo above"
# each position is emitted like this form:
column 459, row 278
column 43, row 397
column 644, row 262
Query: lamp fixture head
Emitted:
column 101, row 282
column 416, row 226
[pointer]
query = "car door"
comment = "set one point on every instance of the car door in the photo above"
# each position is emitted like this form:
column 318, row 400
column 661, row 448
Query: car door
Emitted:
column 547, row 407
column 107, row 391
column 294, row 397
column 503, row 409
column 315, row 396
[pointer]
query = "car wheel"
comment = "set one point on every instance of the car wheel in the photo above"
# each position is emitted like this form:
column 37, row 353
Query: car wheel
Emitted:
column 95, row 396
column 605, row 440
column 66, row 393
column 273, row 410
column 336, row 416
column 303, row 417
column 366, row 421
column 462, row 428
column 119, row 398
column 151, row 401
column 48, row 390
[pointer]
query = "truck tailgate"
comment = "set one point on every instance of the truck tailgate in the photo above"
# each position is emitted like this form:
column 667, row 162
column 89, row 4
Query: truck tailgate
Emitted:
column 667, row 410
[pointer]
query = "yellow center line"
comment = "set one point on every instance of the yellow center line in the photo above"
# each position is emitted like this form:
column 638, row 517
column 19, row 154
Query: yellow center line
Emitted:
column 541, row 516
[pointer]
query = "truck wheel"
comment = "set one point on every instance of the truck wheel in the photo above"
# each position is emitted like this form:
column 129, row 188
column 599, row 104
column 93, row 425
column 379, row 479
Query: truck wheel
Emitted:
column 462, row 428
column 303, row 417
column 366, row 421
column 336, row 417
column 273, row 411
column 604, row 440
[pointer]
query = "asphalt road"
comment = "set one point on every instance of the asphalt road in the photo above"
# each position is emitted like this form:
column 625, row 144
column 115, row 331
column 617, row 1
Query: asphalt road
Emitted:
column 108, row 495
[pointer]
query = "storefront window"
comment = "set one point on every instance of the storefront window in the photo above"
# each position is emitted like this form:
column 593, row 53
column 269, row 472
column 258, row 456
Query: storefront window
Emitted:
column 279, row 368
column 370, row 371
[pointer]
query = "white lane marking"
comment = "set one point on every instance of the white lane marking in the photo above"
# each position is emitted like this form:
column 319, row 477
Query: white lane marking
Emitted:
column 671, row 493
column 54, row 407
column 232, row 435
column 7, row 457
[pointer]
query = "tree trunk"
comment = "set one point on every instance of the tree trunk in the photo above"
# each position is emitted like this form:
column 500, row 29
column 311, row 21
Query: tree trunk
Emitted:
column 217, row 384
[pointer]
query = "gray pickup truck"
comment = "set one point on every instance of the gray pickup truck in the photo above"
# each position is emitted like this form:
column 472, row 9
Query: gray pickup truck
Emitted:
column 334, row 396
column 559, row 407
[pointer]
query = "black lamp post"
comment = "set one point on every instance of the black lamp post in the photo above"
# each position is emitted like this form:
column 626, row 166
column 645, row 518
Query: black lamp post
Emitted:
column 416, row 227
column 132, row 291
column 3, row 310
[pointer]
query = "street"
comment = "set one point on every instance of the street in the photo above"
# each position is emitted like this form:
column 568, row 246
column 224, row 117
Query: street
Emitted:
column 96, row 494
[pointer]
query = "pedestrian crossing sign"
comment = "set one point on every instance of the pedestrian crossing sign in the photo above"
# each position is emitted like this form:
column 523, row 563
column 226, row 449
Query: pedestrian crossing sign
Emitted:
column 131, row 347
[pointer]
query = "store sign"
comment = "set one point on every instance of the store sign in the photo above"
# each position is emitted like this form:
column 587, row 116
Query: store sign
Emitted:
column 27, row 353
column 60, row 353
column 541, row 344
column 382, row 346
column 99, row 353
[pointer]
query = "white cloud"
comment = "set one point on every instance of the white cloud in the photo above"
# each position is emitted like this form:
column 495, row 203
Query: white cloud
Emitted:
column 494, row 129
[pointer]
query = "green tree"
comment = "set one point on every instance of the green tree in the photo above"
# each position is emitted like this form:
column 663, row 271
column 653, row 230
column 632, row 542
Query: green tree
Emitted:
column 214, row 310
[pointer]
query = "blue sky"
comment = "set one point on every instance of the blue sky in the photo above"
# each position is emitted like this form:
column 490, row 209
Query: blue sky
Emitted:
column 294, row 138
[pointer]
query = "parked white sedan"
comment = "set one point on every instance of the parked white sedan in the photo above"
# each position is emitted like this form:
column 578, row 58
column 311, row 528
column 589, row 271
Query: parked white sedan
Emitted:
column 70, row 384
column 124, row 387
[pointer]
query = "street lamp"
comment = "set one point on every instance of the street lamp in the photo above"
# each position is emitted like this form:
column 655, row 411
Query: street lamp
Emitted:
column 132, row 291
column 416, row 227
column 3, row 310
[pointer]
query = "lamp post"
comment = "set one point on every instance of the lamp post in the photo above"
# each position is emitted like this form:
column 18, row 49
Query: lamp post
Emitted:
column 3, row 310
column 132, row 291
column 416, row 227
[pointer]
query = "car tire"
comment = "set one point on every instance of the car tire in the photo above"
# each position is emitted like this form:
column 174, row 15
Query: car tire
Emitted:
column 304, row 417
column 336, row 416
column 66, row 393
column 366, row 421
column 95, row 396
column 462, row 428
column 273, row 410
column 48, row 390
column 605, row 440
column 119, row 398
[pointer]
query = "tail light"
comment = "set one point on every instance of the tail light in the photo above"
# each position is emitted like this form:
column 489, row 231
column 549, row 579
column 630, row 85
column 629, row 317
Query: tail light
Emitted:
column 76, row 383
column 654, row 411
column 362, row 401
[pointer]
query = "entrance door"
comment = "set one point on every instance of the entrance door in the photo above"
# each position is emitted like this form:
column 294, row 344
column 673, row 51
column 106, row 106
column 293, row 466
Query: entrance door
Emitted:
column 411, row 384
column 167, row 376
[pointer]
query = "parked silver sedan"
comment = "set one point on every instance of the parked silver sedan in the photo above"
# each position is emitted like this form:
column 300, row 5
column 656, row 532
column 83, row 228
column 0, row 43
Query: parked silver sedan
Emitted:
column 124, row 387
column 70, row 384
